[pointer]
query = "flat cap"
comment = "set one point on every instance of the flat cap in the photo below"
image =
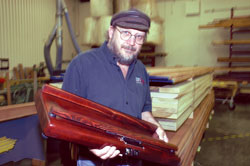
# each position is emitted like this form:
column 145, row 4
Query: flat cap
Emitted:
column 133, row 19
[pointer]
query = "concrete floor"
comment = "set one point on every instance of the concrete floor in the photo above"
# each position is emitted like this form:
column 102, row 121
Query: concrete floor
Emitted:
column 226, row 142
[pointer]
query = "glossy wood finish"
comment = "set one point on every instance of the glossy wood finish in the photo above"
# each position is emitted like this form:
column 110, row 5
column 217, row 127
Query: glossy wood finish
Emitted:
column 69, row 117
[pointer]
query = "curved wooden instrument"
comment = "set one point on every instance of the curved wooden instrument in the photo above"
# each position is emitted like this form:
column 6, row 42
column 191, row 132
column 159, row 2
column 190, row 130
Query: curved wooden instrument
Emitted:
column 75, row 119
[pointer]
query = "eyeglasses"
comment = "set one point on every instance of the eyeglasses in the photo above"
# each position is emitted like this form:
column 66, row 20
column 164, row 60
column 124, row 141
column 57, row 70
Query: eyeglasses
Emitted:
column 126, row 35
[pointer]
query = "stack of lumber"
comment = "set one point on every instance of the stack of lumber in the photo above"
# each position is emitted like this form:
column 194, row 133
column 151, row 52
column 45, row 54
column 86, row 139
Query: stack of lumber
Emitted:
column 173, row 104
column 173, row 75
column 236, row 22
column 188, row 137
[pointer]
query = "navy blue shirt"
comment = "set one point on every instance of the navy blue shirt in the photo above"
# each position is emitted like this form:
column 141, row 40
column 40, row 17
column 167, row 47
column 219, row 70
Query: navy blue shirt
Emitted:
column 96, row 76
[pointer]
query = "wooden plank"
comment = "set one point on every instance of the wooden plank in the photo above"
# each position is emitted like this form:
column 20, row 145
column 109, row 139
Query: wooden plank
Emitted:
column 37, row 162
column 236, row 22
column 245, row 90
column 158, row 94
column 234, row 59
column 172, row 108
column 167, row 70
column 227, row 42
column 232, row 68
column 21, row 71
column 188, row 139
column 174, row 124
column 172, row 103
column 180, row 137
column 180, row 88
column 179, row 74
column 152, row 54
column 16, row 74
column 8, row 88
column 17, row 111
column 167, row 112
column 39, row 79
column 35, row 84
column 184, row 87
column 197, row 136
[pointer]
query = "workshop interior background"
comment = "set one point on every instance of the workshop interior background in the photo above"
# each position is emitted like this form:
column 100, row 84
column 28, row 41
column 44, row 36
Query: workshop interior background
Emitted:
column 187, row 36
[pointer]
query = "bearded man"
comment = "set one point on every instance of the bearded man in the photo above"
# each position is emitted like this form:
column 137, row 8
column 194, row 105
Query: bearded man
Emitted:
column 113, row 76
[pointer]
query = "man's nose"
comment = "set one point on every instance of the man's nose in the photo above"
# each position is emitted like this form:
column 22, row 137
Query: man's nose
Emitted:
column 132, row 40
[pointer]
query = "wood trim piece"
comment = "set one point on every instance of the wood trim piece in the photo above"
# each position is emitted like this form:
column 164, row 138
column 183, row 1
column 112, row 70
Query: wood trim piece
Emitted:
column 234, row 59
column 188, row 137
column 179, row 74
column 17, row 111
column 227, row 42
column 37, row 162
column 153, row 54
column 231, row 69
column 236, row 22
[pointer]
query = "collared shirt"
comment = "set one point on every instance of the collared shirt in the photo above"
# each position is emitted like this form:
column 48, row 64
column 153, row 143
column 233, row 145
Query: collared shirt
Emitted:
column 96, row 76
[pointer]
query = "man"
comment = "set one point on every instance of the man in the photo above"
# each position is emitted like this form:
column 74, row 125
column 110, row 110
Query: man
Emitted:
column 112, row 76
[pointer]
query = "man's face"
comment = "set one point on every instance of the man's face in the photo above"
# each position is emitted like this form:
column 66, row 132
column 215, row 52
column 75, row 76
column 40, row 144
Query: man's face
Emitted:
column 126, row 43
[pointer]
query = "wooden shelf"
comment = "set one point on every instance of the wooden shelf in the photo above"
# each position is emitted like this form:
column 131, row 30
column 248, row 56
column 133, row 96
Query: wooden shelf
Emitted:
column 227, row 42
column 234, row 59
column 153, row 54
column 236, row 22
column 230, row 69
column 17, row 111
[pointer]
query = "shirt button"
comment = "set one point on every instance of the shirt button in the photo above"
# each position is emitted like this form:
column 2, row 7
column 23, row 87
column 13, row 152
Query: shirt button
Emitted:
column 126, row 102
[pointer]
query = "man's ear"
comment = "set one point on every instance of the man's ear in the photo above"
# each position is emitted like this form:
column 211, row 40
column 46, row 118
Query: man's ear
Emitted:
column 111, row 31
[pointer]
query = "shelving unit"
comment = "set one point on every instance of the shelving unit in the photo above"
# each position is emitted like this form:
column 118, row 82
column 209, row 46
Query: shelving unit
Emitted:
column 236, row 25
column 148, row 54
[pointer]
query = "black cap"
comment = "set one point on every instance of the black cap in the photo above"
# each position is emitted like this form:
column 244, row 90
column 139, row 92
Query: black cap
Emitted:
column 133, row 19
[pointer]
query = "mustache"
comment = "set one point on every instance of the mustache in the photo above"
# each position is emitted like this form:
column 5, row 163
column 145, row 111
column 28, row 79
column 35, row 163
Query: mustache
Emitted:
column 131, row 48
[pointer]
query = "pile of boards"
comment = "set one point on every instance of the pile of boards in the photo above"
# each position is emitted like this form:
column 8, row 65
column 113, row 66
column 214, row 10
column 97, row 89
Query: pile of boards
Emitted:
column 188, row 95
column 188, row 137
column 173, row 104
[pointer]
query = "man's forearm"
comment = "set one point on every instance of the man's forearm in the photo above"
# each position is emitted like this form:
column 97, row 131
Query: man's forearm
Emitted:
column 147, row 116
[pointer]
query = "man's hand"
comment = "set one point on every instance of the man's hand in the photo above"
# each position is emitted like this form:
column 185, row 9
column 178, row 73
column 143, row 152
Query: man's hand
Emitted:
column 106, row 152
column 147, row 116
column 162, row 134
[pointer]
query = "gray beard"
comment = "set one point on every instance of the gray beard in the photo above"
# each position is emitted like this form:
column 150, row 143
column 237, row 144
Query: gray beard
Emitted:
column 121, row 58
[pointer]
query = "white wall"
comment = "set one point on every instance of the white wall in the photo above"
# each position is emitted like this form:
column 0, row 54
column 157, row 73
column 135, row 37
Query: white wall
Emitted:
column 186, row 44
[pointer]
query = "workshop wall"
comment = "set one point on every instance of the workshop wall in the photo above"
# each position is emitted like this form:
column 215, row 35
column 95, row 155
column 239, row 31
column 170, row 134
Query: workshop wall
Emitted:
column 26, row 25
column 187, row 45
column 24, row 28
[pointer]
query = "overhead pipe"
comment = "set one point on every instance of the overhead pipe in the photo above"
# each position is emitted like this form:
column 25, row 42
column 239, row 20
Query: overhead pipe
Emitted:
column 57, row 34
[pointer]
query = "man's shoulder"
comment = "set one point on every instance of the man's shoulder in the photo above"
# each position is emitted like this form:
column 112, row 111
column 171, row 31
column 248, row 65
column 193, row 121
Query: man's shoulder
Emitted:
column 87, row 57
